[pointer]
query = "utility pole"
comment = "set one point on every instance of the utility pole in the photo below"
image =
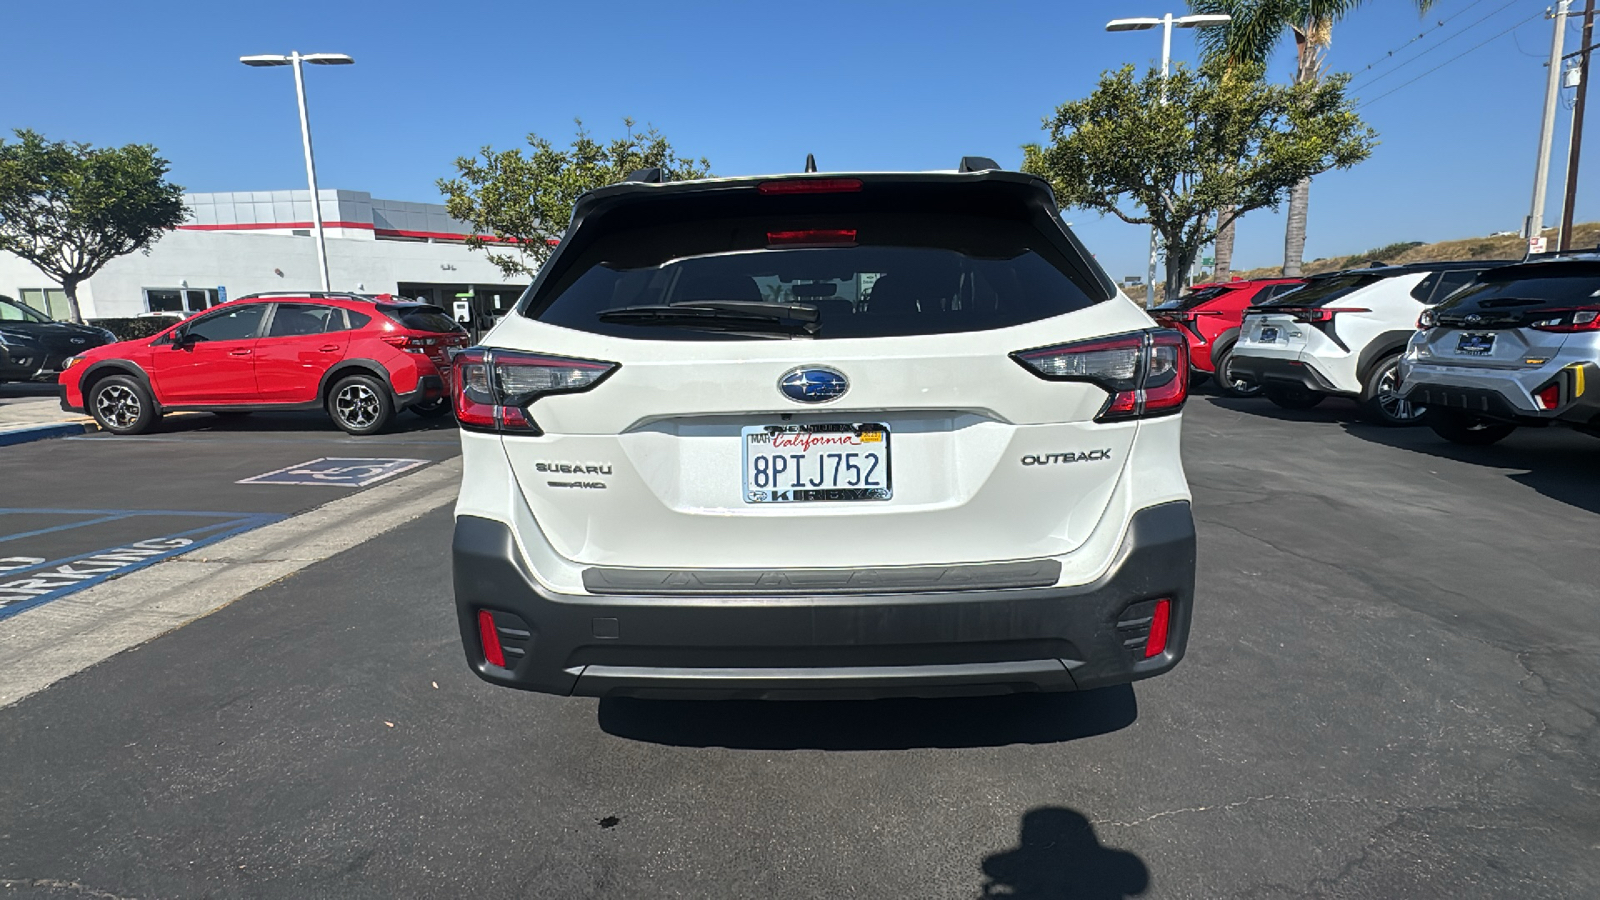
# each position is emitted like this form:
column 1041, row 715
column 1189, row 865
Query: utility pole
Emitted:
column 1577, row 127
column 1534, row 227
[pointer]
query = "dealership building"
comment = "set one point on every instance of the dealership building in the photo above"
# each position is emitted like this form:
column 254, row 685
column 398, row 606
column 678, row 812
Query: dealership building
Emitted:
column 245, row 242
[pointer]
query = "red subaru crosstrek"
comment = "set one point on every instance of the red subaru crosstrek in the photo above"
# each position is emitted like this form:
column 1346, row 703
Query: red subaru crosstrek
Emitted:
column 362, row 358
column 1209, row 316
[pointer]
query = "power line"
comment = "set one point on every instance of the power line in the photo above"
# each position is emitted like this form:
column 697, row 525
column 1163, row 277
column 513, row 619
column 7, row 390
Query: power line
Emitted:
column 1452, row 59
column 1382, row 75
column 1436, row 26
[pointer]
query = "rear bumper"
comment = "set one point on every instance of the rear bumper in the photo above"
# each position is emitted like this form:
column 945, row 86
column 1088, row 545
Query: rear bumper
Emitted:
column 1508, row 397
column 832, row 645
column 1270, row 370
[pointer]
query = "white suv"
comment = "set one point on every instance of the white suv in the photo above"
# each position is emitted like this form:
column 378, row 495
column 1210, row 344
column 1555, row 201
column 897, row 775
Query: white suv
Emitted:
column 1343, row 334
column 860, row 435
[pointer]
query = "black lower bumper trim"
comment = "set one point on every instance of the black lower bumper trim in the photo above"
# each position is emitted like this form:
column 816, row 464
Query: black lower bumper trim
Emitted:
column 927, row 643
column 1266, row 370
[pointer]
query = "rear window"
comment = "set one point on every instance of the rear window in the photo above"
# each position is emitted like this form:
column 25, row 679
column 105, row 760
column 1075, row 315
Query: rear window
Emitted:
column 876, row 275
column 1193, row 298
column 423, row 318
column 1516, row 290
column 1321, row 291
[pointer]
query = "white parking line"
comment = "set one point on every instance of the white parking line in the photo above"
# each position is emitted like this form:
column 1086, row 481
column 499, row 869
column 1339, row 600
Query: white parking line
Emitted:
column 49, row 643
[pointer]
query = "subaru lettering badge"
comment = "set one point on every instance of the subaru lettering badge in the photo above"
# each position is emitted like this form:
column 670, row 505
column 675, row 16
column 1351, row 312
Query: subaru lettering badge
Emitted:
column 813, row 384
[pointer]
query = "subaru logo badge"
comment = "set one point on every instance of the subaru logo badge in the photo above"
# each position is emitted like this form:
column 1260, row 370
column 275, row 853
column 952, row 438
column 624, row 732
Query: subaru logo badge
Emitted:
column 76, row 340
column 813, row 384
column 1474, row 319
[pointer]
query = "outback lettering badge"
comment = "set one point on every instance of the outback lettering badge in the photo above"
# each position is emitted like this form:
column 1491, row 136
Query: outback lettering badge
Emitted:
column 1068, row 457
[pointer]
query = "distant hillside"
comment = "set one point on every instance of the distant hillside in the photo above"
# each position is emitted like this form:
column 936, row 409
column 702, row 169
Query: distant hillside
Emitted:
column 1504, row 247
column 1509, row 247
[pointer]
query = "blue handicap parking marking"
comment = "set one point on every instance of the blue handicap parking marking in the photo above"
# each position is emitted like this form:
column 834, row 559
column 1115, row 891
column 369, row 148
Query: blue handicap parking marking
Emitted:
column 338, row 471
column 32, row 575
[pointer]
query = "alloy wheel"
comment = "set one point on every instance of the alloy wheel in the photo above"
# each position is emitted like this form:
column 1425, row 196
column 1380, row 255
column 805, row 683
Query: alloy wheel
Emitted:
column 357, row 406
column 1390, row 401
column 118, row 405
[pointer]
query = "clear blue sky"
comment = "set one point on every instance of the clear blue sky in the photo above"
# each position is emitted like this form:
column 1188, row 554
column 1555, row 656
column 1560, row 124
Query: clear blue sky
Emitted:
column 755, row 87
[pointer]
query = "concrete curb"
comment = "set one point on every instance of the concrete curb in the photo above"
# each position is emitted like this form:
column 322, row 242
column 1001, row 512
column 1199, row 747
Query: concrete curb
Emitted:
column 29, row 433
column 65, row 636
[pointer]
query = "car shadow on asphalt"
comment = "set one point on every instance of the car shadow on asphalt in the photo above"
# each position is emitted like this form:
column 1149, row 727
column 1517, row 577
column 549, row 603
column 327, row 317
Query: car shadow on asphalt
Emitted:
column 1557, row 463
column 272, row 422
column 1333, row 409
column 1058, row 856
column 898, row 724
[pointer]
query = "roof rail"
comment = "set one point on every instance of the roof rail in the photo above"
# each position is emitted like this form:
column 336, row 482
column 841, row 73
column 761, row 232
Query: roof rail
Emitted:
column 315, row 295
column 651, row 175
column 977, row 164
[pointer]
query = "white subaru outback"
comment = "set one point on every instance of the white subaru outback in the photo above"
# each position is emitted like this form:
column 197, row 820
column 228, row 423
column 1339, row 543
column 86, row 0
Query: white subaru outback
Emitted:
column 831, row 435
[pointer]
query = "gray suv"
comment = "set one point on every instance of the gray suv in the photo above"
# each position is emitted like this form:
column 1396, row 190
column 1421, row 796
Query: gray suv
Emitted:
column 1521, row 346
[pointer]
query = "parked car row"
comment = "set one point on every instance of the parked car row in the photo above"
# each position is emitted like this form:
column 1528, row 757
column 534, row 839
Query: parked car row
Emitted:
column 1474, row 349
column 362, row 358
column 34, row 347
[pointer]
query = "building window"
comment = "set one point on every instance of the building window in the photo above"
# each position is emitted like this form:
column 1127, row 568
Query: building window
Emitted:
column 179, row 300
column 50, row 301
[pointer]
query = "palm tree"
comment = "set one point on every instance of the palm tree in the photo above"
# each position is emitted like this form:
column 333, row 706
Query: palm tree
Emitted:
column 1250, row 36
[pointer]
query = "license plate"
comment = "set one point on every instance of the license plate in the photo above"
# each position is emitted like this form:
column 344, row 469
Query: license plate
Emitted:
column 1269, row 334
column 810, row 463
column 1473, row 344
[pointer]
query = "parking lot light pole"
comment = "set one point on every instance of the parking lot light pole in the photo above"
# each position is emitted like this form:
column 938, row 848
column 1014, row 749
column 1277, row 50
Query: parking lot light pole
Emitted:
column 1167, row 23
column 317, row 59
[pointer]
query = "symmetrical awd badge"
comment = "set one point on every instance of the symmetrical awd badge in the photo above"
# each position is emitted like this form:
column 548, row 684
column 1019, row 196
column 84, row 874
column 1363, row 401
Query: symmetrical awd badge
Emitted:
column 813, row 384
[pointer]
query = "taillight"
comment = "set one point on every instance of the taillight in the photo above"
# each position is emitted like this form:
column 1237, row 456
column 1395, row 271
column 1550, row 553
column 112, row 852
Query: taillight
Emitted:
column 811, row 186
column 1145, row 372
column 1317, row 315
column 413, row 344
column 493, row 388
column 489, row 637
column 1428, row 319
column 813, row 237
column 1568, row 321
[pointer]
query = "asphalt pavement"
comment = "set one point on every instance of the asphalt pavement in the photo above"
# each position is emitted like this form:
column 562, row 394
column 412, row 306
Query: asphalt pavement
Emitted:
column 77, row 511
column 1389, row 693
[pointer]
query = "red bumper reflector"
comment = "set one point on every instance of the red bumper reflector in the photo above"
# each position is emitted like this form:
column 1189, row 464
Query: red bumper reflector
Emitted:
column 1157, row 644
column 1548, row 397
column 490, row 638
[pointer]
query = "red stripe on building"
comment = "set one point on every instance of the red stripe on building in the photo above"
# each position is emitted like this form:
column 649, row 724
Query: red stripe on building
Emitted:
column 262, row 226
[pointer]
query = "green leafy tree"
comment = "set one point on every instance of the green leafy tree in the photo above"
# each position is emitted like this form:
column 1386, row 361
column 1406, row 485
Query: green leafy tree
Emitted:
column 70, row 208
column 1248, row 39
column 1219, row 141
column 523, row 202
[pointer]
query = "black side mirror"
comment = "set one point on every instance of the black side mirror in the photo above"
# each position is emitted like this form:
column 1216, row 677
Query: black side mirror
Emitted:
column 179, row 338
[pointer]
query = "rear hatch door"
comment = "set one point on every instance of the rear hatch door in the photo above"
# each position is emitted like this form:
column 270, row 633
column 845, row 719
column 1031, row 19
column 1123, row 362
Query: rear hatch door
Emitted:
column 820, row 380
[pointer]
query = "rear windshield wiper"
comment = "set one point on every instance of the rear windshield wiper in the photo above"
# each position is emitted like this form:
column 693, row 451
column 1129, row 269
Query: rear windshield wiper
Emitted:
column 745, row 316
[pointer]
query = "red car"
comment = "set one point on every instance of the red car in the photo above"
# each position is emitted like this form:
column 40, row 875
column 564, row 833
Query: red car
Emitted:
column 362, row 358
column 1209, row 316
